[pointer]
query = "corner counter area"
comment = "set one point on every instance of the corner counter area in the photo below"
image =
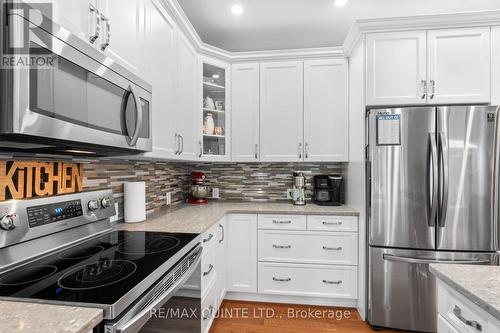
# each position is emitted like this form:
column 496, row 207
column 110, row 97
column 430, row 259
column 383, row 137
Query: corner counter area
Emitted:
column 468, row 298
column 42, row 318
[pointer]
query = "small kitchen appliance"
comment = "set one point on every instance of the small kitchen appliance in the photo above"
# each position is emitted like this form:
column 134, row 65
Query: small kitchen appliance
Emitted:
column 328, row 190
column 63, row 250
column 199, row 190
column 299, row 189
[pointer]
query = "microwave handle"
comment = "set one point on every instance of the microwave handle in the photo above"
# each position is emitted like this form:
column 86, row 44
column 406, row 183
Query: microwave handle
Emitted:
column 138, row 120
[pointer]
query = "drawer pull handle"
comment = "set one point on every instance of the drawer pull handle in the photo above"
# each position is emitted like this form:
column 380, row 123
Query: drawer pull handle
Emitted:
column 472, row 323
column 282, row 280
column 332, row 223
column 332, row 248
column 210, row 268
column 282, row 222
column 282, row 246
column 210, row 312
column 208, row 239
column 332, row 282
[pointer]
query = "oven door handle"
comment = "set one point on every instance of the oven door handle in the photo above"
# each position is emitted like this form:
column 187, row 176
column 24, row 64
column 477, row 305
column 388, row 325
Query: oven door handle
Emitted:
column 135, row 324
column 138, row 121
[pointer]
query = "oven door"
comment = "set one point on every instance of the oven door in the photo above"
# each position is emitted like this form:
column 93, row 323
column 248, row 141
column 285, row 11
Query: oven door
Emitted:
column 172, row 305
column 74, row 97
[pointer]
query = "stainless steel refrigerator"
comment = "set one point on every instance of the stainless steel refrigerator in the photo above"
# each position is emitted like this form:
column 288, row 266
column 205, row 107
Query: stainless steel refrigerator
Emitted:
column 433, row 198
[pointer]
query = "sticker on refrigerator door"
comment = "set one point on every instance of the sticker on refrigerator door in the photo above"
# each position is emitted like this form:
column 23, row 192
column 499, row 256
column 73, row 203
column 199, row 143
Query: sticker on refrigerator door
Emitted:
column 491, row 117
column 389, row 130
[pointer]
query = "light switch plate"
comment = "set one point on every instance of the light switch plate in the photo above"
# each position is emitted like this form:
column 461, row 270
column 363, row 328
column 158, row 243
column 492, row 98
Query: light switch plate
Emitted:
column 169, row 198
column 215, row 193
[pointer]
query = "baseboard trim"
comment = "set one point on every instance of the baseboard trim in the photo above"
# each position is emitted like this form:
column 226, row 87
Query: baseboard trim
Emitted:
column 254, row 297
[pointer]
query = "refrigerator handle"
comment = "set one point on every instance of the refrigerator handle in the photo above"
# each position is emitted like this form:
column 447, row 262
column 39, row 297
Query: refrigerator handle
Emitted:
column 443, row 151
column 390, row 257
column 432, row 184
column 496, row 180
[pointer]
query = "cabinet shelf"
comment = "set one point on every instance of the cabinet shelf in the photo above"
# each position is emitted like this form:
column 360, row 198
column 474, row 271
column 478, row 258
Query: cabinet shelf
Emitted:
column 214, row 136
column 213, row 110
column 213, row 85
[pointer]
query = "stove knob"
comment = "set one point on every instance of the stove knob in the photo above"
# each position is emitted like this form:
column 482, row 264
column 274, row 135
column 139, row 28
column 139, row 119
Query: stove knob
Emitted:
column 93, row 205
column 106, row 202
column 7, row 222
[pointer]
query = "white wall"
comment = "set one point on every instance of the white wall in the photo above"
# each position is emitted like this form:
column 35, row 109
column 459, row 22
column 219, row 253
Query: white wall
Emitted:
column 355, row 190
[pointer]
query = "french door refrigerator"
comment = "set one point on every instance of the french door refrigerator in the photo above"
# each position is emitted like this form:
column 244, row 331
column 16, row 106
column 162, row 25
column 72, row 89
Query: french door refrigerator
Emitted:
column 433, row 190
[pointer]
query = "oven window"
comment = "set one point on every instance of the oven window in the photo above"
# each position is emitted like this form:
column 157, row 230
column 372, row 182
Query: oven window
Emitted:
column 75, row 95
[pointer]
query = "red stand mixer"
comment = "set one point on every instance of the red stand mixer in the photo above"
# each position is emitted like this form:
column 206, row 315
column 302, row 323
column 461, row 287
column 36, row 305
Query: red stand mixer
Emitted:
column 199, row 190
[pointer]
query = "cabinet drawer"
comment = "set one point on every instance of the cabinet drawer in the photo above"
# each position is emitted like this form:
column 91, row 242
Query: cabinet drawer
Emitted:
column 444, row 326
column 209, row 237
column 283, row 222
column 339, row 248
column 209, row 309
column 308, row 280
column 332, row 223
column 208, row 269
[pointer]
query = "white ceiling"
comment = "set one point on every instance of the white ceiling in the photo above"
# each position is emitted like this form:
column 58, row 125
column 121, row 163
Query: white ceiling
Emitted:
column 289, row 24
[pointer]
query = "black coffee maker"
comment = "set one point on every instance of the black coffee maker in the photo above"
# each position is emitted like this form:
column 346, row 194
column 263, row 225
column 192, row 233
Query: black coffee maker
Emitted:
column 328, row 190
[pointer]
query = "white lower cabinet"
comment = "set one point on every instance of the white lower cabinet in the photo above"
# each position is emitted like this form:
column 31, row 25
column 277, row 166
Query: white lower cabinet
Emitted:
column 209, row 306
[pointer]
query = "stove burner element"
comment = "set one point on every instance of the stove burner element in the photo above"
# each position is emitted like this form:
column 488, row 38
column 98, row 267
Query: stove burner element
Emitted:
column 152, row 244
column 97, row 275
column 27, row 275
column 81, row 253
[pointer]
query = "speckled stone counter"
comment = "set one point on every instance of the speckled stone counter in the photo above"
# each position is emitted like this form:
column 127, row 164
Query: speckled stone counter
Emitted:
column 479, row 284
column 199, row 218
column 16, row 317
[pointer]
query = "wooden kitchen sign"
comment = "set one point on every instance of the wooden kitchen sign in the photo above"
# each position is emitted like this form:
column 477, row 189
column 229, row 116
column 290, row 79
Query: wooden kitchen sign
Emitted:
column 23, row 180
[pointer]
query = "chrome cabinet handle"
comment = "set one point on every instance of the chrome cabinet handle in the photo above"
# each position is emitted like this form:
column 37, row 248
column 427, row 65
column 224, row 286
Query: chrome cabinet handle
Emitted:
column 106, row 43
column 176, row 139
column 208, row 239
column 472, row 323
column 210, row 312
column 132, row 140
column 300, row 150
column 201, row 149
column 97, row 31
column 332, row 223
column 222, row 233
column 433, row 88
column 282, row 222
column 307, row 150
column 210, row 269
column 181, row 144
column 424, row 88
column 332, row 282
column 332, row 248
column 256, row 151
column 282, row 246
column 282, row 280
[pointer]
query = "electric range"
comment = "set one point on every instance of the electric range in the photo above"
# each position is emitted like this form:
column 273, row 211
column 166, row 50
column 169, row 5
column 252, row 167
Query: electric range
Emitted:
column 63, row 250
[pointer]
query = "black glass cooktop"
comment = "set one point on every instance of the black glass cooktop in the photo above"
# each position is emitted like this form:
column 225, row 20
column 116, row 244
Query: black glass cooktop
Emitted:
column 98, row 271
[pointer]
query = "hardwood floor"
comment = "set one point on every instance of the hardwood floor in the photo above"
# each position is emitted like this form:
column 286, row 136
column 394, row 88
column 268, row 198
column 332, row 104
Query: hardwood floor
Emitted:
column 249, row 317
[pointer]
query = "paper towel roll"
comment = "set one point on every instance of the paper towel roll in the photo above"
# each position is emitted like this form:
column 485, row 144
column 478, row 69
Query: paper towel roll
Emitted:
column 134, row 202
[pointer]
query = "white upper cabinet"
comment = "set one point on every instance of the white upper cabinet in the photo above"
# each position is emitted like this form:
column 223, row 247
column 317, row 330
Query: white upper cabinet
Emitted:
column 80, row 17
column 245, row 112
column 459, row 65
column 326, row 111
column 396, row 68
column 122, row 32
column 160, row 72
column 281, row 111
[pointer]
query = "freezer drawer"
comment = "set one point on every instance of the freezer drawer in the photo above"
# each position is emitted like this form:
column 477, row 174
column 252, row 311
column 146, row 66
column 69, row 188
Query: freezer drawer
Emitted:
column 402, row 291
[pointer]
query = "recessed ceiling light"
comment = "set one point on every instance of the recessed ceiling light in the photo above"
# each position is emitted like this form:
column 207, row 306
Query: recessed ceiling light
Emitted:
column 340, row 3
column 237, row 10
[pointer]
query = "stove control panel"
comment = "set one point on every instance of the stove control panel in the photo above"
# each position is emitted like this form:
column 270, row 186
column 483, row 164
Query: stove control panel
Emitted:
column 45, row 214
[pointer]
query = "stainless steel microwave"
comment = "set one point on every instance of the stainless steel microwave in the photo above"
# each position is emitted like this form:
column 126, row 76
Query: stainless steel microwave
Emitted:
column 81, row 103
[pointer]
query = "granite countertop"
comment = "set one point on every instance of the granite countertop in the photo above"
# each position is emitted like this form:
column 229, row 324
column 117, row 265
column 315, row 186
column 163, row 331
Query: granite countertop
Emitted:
column 199, row 218
column 479, row 284
column 16, row 317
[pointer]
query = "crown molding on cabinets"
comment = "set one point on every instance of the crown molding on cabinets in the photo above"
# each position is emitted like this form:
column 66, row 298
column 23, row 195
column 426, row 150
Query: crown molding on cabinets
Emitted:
column 422, row 22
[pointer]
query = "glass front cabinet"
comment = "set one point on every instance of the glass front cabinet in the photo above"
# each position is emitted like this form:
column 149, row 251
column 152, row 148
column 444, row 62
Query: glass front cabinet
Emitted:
column 215, row 106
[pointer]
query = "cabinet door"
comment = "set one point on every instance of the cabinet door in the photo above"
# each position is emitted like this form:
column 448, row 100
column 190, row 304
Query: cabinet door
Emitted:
column 281, row 111
column 396, row 68
column 186, row 98
column 459, row 65
column 221, row 260
column 160, row 72
column 326, row 111
column 122, row 26
column 77, row 16
column 242, row 246
column 245, row 112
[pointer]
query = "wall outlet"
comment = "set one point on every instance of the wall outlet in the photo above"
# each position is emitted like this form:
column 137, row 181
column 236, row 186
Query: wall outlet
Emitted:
column 114, row 218
column 289, row 193
column 169, row 198
column 215, row 193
